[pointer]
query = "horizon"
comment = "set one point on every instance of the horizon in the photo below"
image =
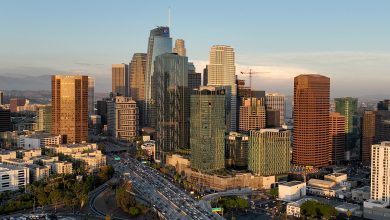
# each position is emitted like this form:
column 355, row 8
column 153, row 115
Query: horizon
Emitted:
column 331, row 39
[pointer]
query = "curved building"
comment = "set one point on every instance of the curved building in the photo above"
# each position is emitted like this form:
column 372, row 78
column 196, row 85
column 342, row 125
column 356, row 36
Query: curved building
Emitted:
column 311, row 143
column 159, row 43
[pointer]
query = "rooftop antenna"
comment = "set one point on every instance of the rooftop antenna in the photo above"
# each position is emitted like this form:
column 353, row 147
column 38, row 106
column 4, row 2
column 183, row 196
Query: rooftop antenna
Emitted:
column 169, row 17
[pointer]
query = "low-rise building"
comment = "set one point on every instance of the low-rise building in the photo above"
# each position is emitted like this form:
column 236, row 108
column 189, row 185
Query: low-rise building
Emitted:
column 294, row 208
column 178, row 161
column 69, row 149
column 336, row 177
column 353, row 208
column 38, row 172
column 93, row 159
column 150, row 148
column 376, row 210
column 62, row 167
column 6, row 155
column 361, row 194
column 28, row 154
column 324, row 188
column 38, row 140
column 291, row 191
column 13, row 177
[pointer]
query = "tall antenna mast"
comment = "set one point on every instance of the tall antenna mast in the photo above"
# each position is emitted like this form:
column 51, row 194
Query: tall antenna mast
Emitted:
column 169, row 17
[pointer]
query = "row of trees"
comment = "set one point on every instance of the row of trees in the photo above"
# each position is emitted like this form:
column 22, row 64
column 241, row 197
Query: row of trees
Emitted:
column 13, row 201
column 316, row 209
column 232, row 202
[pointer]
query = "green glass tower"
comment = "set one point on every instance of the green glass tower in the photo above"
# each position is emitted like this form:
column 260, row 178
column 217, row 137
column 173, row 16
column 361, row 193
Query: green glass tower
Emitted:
column 269, row 152
column 348, row 107
column 207, row 133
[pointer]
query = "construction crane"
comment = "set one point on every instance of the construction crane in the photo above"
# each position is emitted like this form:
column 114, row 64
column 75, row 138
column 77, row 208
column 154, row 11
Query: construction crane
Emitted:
column 250, row 76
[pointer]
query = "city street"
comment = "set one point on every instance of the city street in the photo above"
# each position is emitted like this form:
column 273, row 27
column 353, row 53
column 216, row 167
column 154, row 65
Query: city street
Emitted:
column 171, row 201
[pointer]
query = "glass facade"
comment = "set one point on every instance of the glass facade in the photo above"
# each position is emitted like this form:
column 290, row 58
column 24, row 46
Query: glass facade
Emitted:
column 159, row 43
column 208, row 129
column 170, row 100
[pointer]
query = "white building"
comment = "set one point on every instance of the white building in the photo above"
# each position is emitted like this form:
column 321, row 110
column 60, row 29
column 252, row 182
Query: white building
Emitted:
column 38, row 140
column 336, row 177
column 122, row 118
column 13, row 177
column 294, row 208
column 380, row 172
column 291, row 191
column 222, row 72
column 276, row 101
column 38, row 172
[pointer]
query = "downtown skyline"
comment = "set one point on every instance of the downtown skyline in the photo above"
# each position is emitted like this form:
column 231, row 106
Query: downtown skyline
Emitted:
column 344, row 41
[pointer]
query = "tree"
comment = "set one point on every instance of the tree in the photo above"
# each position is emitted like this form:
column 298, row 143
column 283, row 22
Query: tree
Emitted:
column 349, row 214
column 134, row 211
column 316, row 209
column 274, row 192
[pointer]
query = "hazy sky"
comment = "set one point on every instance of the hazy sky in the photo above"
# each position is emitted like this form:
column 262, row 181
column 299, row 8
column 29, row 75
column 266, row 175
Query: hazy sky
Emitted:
column 347, row 40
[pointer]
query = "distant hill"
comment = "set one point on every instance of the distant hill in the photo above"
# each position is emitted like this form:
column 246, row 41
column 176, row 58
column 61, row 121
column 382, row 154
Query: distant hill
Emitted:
column 12, row 82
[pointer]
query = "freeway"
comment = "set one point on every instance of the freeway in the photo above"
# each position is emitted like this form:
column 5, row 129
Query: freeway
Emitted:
column 171, row 201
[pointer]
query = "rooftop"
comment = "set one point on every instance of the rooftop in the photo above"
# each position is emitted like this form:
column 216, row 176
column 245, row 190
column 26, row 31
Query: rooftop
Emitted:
column 292, row 183
column 298, row 203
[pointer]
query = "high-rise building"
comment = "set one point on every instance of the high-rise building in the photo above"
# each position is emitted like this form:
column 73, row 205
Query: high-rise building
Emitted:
column 236, row 151
column 205, row 76
column 348, row 107
column 101, row 107
column 207, row 128
column 91, row 96
column 122, row 118
column 194, row 78
column 242, row 90
column 1, row 98
column 337, row 136
column 368, row 135
column 252, row 114
column 273, row 118
column 5, row 120
column 269, row 152
column 222, row 72
column 120, row 79
column 14, row 103
column 383, row 105
column 171, row 103
column 70, row 108
column 159, row 43
column 180, row 48
column 276, row 101
column 380, row 166
column 311, row 145
column 44, row 115
column 137, row 82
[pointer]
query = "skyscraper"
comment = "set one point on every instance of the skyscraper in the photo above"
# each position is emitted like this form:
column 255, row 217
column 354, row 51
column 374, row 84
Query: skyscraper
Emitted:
column 171, row 103
column 70, row 108
column 194, row 78
column 137, row 82
column 276, row 101
column 159, row 43
column 1, row 98
column 122, row 118
column 368, row 135
column 207, row 128
column 311, row 121
column 348, row 107
column 269, row 152
column 101, row 106
column 44, row 118
column 91, row 96
column 380, row 166
column 337, row 136
column 5, row 120
column 222, row 72
column 252, row 114
column 120, row 79
column 180, row 47
column 205, row 76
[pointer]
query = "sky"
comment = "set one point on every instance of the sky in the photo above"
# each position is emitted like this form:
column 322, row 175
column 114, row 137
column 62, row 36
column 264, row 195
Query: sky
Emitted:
column 348, row 41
